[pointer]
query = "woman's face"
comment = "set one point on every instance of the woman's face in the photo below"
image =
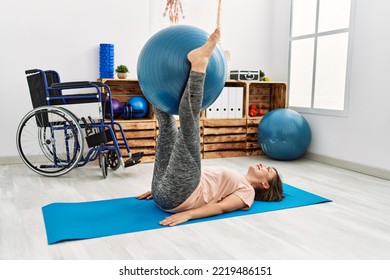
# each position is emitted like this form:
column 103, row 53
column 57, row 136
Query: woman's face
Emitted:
column 261, row 172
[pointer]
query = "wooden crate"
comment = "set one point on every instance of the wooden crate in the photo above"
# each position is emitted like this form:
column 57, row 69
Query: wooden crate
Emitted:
column 219, row 137
column 141, row 137
column 252, row 145
column 123, row 90
column 266, row 95
column 224, row 138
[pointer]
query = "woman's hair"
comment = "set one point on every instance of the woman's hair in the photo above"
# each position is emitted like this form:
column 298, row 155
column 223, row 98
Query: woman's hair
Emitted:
column 274, row 192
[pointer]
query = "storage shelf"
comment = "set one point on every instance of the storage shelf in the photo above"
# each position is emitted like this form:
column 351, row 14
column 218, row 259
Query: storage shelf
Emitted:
column 220, row 137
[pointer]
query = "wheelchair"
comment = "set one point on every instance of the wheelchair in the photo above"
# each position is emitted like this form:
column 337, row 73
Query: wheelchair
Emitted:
column 66, row 118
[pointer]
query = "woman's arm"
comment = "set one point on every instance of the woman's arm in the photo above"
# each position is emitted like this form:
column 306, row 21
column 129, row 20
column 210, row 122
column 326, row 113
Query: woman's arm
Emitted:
column 230, row 203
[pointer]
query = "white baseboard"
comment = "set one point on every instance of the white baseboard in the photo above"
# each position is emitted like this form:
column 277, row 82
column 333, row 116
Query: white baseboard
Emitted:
column 361, row 168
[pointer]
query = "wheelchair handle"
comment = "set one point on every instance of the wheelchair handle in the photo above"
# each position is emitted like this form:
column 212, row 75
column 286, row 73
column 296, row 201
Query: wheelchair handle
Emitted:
column 32, row 71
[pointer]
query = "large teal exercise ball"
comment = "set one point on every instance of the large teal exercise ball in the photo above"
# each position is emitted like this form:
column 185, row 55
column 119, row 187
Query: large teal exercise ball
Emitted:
column 284, row 134
column 163, row 67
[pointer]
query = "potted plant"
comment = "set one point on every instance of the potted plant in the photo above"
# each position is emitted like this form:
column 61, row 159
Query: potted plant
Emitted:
column 122, row 71
column 261, row 75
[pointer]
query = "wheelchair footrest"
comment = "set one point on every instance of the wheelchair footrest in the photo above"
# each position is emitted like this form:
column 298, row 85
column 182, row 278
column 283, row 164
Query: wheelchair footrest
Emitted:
column 134, row 159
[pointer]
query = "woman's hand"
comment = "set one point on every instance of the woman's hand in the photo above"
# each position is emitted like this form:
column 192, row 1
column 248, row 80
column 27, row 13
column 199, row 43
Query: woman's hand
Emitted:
column 176, row 219
column 228, row 204
column 147, row 195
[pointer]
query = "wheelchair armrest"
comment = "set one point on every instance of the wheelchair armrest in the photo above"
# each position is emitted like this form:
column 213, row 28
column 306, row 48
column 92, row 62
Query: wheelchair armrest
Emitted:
column 70, row 84
column 99, row 84
column 82, row 97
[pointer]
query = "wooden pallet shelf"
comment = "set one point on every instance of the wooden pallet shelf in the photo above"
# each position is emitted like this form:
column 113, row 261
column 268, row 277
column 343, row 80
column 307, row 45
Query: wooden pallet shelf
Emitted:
column 224, row 137
column 219, row 137
column 141, row 137
column 252, row 145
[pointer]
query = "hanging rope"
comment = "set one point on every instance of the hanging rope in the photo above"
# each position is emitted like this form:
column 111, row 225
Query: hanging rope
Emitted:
column 219, row 15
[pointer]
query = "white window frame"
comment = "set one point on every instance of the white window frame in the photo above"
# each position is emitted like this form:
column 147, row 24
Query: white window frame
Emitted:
column 311, row 109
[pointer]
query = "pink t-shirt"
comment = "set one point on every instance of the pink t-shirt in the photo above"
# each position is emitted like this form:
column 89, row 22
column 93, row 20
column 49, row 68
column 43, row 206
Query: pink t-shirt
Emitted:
column 216, row 183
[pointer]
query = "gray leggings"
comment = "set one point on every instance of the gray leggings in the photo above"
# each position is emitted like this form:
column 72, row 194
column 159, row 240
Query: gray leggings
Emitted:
column 177, row 166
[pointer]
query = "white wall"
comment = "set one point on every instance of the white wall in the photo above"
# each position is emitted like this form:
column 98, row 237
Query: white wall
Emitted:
column 362, row 137
column 361, row 140
column 65, row 36
column 280, row 30
column 245, row 27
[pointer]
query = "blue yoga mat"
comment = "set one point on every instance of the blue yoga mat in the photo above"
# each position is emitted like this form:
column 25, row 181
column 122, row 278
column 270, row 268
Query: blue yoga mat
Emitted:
column 83, row 220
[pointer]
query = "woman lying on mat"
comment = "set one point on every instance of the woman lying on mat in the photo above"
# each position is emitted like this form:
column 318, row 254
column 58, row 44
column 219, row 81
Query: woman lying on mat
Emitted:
column 178, row 185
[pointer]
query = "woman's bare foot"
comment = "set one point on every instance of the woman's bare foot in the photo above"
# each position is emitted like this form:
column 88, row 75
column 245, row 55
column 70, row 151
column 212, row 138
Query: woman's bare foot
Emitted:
column 199, row 57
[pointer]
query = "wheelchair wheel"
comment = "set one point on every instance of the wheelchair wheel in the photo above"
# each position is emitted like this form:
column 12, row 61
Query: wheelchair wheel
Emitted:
column 113, row 159
column 104, row 165
column 50, row 141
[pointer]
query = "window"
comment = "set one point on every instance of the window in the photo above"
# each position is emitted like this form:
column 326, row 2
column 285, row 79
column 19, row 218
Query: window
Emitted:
column 319, row 55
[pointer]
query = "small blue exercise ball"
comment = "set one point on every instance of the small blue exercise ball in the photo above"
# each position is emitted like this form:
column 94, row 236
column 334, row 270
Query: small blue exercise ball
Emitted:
column 136, row 107
column 284, row 134
column 163, row 67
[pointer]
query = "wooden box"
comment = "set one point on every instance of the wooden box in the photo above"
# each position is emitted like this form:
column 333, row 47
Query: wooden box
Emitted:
column 220, row 137
column 123, row 90
column 266, row 96
column 224, row 138
column 252, row 144
column 141, row 137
